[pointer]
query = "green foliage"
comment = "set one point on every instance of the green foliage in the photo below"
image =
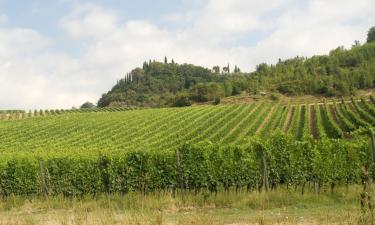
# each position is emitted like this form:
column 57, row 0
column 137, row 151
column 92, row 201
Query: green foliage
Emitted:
column 362, row 113
column 327, row 75
column 182, row 100
column 348, row 126
column 293, row 129
column 331, row 127
column 368, row 107
column 156, row 84
column 216, row 100
column 203, row 166
column 319, row 122
column 307, row 122
column 355, row 118
column 371, row 35
column 87, row 105
column 206, row 92
column 274, row 97
column 118, row 150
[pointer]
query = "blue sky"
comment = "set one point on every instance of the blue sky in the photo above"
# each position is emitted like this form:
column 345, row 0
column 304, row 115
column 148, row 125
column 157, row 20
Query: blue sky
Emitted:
column 44, row 15
column 59, row 54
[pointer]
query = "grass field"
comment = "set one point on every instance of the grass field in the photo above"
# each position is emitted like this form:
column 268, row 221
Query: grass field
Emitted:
column 278, row 207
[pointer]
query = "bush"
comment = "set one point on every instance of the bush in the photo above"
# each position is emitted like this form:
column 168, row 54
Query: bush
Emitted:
column 181, row 101
column 216, row 100
column 87, row 105
column 274, row 97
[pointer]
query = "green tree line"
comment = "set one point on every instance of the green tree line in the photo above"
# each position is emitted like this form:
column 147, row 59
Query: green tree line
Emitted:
column 340, row 73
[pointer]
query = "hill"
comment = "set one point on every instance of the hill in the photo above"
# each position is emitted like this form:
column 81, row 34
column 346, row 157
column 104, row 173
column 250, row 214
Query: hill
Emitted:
column 157, row 84
column 168, row 128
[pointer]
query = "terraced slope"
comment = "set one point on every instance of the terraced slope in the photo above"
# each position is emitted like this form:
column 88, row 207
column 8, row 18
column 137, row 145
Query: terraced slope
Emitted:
column 161, row 129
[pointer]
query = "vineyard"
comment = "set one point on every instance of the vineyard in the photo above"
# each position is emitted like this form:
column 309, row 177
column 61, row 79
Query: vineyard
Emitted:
column 263, row 144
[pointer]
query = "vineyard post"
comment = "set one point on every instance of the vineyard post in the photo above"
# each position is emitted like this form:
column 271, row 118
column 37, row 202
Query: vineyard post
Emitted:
column 373, row 148
column 265, row 172
column 180, row 175
column 43, row 179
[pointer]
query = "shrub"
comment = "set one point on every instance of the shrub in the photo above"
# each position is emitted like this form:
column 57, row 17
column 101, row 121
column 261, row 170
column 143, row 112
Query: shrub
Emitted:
column 181, row 101
column 216, row 100
column 274, row 97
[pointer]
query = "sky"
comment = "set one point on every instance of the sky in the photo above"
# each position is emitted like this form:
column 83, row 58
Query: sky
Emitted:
column 62, row 53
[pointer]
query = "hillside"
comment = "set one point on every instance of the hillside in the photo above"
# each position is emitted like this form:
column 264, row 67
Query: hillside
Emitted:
column 157, row 84
column 118, row 150
column 167, row 128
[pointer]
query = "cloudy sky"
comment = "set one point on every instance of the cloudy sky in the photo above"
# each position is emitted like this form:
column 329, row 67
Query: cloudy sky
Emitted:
column 61, row 53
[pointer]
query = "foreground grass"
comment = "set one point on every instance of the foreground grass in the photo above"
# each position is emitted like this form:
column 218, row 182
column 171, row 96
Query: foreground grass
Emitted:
column 277, row 207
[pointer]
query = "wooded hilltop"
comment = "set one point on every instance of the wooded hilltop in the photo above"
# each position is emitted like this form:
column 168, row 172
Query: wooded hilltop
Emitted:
column 159, row 84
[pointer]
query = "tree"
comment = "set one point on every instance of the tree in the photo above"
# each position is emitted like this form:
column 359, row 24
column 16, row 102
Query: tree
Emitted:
column 145, row 66
column 165, row 60
column 182, row 100
column 87, row 105
column 226, row 69
column 216, row 100
column 356, row 44
column 216, row 69
column 371, row 35
column 237, row 69
column 227, row 88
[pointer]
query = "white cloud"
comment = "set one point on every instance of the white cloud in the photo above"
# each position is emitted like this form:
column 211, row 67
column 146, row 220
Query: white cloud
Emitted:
column 34, row 76
column 89, row 20
column 322, row 26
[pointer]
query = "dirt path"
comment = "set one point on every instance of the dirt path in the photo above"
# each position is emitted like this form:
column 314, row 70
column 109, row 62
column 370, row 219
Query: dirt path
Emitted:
column 288, row 120
column 266, row 120
column 351, row 107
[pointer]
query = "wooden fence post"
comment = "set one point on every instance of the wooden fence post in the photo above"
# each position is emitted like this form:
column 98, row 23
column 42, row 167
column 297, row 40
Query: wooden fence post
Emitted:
column 373, row 145
column 180, row 175
column 265, row 172
column 43, row 182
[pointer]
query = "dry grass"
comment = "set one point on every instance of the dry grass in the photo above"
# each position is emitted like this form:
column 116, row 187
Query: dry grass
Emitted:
column 278, row 207
column 246, row 98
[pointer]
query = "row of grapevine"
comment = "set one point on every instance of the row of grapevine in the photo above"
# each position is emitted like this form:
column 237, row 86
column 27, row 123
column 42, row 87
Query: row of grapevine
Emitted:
column 293, row 128
column 21, row 114
column 255, row 124
column 238, row 133
column 332, row 129
column 302, row 122
column 362, row 113
column 348, row 126
column 267, row 163
column 368, row 107
column 181, row 134
column 319, row 122
column 305, row 133
column 11, row 111
column 283, row 117
column 227, row 131
column 216, row 123
column 225, row 126
column 357, row 120
column 272, row 122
